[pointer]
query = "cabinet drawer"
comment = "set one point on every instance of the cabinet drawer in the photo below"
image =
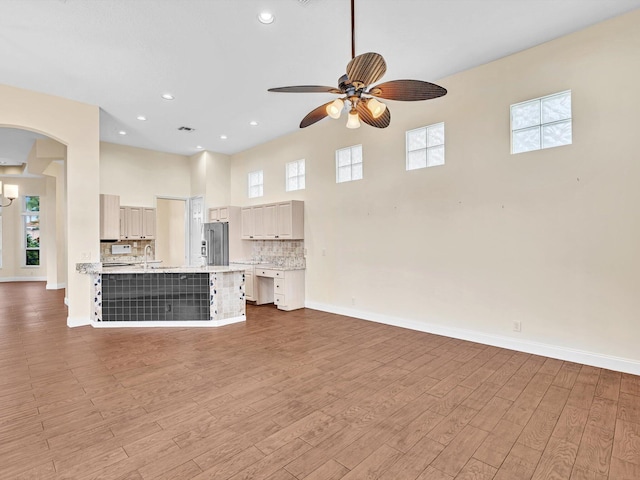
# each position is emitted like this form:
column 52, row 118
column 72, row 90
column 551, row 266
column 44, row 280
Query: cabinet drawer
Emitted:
column 264, row 272
column 278, row 285
column 278, row 299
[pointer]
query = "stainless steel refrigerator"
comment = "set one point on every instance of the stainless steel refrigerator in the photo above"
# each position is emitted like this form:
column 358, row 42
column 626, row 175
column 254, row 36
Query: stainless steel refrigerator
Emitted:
column 215, row 243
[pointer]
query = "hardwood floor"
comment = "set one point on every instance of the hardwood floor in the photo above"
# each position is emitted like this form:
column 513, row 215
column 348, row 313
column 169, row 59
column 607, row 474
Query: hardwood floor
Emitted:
column 297, row 395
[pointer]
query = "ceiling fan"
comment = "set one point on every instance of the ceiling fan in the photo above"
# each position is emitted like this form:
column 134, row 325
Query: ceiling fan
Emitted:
column 360, row 98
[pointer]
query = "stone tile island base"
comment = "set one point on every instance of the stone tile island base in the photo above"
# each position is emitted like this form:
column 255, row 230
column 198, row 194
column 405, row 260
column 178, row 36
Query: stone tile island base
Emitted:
column 180, row 297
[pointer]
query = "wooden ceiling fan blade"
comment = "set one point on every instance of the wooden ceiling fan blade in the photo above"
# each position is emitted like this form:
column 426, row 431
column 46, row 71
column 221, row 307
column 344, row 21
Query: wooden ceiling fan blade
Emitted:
column 366, row 68
column 315, row 115
column 306, row 89
column 366, row 116
column 407, row 90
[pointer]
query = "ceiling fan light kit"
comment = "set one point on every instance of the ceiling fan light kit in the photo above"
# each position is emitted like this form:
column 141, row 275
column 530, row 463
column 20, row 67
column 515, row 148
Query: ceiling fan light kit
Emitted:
column 362, row 71
column 354, row 120
column 334, row 109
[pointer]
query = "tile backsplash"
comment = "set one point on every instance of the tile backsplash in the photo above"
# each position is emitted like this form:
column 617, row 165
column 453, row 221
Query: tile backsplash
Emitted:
column 137, row 251
column 285, row 253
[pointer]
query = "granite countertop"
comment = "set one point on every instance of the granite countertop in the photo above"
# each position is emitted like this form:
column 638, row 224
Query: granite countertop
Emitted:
column 268, row 266
column 99, row 268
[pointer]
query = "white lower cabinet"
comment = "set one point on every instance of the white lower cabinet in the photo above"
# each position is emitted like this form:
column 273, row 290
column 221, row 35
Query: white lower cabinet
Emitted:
column 284, row 288
column 249, row 284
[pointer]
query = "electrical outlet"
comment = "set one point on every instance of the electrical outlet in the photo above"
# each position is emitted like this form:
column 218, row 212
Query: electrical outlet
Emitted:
column 353, row 300
column 517, row 326
column 85, row 256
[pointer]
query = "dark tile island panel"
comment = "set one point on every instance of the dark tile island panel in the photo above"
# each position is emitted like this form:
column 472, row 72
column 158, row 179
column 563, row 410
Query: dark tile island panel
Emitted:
column 155, row 297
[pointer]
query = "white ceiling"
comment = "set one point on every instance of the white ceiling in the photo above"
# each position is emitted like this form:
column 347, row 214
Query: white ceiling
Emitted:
column 219, row 61
column 15, row 145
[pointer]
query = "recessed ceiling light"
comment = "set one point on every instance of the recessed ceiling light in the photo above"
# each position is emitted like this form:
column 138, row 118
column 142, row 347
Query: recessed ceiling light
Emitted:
column 266, row 17
column 223, row 137
column 253, row 123
column 142, row 118
column 122, row 132
column 167, row 96
column 199, row 147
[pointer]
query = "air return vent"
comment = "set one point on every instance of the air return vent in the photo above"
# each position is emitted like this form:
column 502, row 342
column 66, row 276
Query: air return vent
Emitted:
column 186, row 129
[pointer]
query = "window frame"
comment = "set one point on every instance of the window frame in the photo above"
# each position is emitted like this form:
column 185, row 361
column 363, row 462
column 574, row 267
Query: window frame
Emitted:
column 25, row 214
column 427, row 148
column 541, row 124
column 251, row 185
column 351, row 164
column 298, row 176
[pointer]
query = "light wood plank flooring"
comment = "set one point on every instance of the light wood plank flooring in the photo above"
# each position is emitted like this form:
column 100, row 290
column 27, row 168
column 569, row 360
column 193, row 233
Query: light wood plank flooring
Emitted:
column 298, row 395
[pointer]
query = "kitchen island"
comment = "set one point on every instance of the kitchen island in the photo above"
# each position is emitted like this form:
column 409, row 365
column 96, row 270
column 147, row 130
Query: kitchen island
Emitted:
column 134, row 296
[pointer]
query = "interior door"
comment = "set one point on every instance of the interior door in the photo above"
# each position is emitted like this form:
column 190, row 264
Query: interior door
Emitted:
column 196, row 219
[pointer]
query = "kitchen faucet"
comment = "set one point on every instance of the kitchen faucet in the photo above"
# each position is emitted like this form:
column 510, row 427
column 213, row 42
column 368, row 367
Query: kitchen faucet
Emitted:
column 145, row 255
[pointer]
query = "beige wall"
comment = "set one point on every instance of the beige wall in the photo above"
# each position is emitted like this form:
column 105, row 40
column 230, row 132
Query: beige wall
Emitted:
column 210, row 173
column 217, row 179
column 549, row 238
column 138, row 175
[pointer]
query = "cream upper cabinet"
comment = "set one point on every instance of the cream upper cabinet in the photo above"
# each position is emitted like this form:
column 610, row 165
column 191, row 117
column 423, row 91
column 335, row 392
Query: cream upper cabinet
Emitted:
column 219, row 214
column 137, row 223
column 134, row 222
column 273, row 221
column 246, row 217
column 290, row 220
column 149, row 223
column 109, row 217
column 253, row 223
column 257, row 213
column 123, row 223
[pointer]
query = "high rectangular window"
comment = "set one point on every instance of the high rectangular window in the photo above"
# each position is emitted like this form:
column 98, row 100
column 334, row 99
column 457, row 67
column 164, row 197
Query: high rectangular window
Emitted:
column 31, row 223
column 544, row 122
column 425, row 146
column 256, row 184
column 349, row 164
column 295, row 175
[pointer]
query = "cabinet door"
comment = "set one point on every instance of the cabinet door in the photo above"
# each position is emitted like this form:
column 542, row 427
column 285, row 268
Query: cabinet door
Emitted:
column 247, row 223
column 248, row 285
column 271, row 221
column 124, row 219
column 109, row 217
column 258, row 221
column 223, row 214
column 134, row 223
column 285, row 220
column 149, row 223
column 214, row 214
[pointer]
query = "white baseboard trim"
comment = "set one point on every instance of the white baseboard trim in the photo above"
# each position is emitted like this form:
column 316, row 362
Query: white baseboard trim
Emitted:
column 56, row 286
column 23, row 279
column 170, row 324
column 78, row 321
column 593, row 359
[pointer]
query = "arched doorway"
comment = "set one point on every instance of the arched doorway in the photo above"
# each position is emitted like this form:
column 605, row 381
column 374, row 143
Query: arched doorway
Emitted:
column 75, row 125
